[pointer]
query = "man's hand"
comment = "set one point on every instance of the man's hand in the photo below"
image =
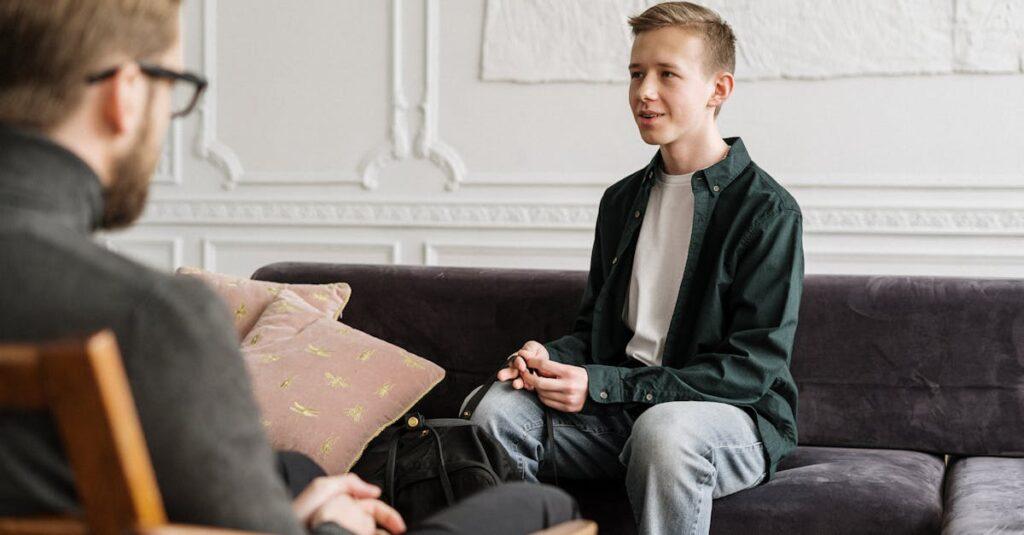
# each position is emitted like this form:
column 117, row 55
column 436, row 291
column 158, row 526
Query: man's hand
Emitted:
column 517, row 366
column 562, row 387
column 359, row 516
column 347, row 501
column 323, row 489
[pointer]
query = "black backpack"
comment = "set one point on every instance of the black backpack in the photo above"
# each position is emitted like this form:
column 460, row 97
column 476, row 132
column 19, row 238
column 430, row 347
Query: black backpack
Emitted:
column 423, row 466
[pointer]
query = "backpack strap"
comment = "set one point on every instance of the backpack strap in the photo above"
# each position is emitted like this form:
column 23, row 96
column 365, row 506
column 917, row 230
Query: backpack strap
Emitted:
column 474, row 401
column 389, row 472
column 442, row 469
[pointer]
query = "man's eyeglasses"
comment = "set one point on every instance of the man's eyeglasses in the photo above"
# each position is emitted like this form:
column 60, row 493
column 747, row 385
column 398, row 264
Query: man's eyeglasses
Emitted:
column 187, row 86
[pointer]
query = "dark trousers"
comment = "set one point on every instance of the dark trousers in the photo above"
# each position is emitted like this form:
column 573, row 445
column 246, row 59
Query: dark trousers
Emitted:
column 510, row 509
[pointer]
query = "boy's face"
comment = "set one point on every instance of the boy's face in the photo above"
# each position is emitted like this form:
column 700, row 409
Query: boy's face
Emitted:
column 669, row 92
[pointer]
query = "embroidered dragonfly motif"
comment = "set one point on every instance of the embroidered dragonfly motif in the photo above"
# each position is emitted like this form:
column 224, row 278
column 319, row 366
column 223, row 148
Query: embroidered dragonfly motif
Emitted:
column 335, row 381
column 385, row 389
column 327, row 446
column 318, row 351
column 411, row 362
column 303, row 410
column 356, row 413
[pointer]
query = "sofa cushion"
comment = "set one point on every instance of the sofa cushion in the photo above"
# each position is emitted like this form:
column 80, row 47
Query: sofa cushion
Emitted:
column 985, row 495
column 246, row 299
column 840, row 490
column 816, row 490
column 324, row 388
column 918, row 363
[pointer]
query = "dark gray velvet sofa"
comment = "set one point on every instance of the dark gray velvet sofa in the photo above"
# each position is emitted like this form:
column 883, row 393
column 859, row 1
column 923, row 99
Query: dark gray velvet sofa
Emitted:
column 911, row 415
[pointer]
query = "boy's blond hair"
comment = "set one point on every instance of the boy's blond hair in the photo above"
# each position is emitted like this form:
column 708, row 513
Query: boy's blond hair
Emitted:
column 719, row 40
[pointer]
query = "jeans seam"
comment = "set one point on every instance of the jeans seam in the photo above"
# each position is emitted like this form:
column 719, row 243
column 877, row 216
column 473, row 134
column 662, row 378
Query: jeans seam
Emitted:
column 709, row 455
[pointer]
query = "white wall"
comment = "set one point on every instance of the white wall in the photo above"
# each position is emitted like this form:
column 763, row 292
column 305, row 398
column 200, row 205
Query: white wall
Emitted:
column 429, row 132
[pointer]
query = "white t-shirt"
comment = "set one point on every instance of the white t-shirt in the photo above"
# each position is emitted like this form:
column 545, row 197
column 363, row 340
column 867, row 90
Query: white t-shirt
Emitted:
column 658, row 265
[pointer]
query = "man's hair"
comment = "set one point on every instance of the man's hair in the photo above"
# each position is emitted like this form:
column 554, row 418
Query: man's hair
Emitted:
column 719, row 41
column 50, row 47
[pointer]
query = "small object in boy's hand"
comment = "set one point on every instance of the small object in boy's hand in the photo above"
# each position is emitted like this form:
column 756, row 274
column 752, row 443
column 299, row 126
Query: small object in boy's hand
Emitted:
column 516, row 354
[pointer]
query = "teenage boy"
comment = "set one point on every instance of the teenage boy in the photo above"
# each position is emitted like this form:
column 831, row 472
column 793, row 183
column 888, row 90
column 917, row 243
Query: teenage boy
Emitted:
column 676, row 375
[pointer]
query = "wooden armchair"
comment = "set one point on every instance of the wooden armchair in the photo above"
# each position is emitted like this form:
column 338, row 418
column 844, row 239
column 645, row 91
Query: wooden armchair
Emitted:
column 83, row 385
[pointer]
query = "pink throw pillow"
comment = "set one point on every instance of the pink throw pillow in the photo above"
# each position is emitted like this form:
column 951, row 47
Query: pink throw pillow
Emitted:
column 247, row 298
column 326, row 389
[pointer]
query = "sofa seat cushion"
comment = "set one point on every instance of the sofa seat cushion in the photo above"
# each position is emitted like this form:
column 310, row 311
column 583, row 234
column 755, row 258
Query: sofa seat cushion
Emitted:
column 840, row 490
column 985, row 495
column 816, row 490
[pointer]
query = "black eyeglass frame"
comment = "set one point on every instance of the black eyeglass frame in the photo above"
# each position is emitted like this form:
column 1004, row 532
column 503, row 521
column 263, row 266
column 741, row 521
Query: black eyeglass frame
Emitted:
column 156, row 71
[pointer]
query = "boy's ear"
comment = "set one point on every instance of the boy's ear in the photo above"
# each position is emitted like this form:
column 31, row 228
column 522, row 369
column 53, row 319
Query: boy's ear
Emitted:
column 724, row 84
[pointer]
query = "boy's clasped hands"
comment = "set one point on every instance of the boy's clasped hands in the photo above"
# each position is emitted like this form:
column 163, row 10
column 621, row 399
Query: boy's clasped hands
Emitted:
column 562, row 387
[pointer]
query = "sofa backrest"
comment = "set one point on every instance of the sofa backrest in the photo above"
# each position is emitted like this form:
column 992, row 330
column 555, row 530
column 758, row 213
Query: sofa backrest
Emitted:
column 930, row 364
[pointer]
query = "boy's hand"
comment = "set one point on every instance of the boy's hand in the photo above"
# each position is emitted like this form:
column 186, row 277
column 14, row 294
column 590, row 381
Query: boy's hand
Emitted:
column 517, row 364
column 562, row 387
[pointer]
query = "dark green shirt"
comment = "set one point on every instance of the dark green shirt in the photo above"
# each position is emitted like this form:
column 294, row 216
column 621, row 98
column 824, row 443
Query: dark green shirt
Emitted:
column 731, row 335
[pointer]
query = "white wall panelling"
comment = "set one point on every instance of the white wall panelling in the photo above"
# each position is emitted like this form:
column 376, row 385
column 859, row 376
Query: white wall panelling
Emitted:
column 510, row 255
column 166, row 254
column 346, row 130
column 237, row 255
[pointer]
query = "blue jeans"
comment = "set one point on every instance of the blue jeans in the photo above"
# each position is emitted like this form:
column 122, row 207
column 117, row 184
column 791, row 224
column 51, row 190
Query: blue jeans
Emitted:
column 676, row 457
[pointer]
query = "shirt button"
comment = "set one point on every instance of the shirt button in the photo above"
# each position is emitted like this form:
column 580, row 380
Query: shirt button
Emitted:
column 603, row 394
column 636, row 214
column 716, row 188
column 648, row 397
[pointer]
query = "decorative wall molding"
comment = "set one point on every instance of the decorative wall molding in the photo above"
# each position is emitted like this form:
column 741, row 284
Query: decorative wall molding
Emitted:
column 227, row 160
column 397, row 148
column 846, row 181
column 428, row 144
column 579, row 216
column 211, row 246
column 168, row 170
column 209, row 147
column 932, row 221
column 386, row 214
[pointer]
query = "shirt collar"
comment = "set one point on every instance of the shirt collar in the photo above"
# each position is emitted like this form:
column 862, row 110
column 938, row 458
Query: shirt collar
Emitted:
column 38, row 175
column 719, row 175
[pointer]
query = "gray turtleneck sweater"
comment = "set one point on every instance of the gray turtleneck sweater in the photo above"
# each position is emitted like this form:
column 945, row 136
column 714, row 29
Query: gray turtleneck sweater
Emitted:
column 212, row 460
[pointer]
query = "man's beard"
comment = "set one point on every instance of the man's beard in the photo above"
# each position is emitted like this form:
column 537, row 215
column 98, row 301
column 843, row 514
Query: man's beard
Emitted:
column 125, row 198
